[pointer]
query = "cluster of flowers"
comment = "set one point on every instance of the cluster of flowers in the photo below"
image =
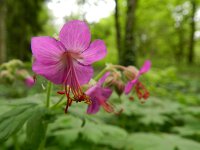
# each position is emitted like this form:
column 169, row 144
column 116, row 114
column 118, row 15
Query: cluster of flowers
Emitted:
column 13, row 71
column 68, row 59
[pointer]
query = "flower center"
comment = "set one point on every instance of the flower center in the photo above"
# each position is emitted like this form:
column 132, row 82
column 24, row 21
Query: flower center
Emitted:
column 72, row 88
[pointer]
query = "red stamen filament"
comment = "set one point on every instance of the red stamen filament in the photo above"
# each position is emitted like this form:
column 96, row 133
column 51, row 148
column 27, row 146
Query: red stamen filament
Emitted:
column 141, row 91
column 71, row 84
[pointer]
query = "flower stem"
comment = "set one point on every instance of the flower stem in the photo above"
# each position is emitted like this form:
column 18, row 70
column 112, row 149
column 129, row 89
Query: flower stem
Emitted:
column 49, row 86
column 98, row 76
column 59, row 101
column 119, row 67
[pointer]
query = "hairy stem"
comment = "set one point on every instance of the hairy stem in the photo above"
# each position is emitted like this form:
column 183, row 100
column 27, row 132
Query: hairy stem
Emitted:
column 49, row 86
column 98, row 76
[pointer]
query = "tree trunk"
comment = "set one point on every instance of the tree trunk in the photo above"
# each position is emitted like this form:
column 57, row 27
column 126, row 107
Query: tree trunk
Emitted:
column 192, row 28
column 118, row 31
column 129, row 52
column 180, row 46
column 2, row 33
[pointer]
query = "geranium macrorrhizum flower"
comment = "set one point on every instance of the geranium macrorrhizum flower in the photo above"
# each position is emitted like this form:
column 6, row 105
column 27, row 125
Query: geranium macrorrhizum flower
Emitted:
column 99, row 96
column 29, row 81
column 67, row 61
column 140, row 89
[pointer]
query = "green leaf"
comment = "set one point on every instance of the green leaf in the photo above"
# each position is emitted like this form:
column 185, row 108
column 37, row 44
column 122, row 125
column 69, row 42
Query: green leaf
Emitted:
column 150, row 141
column 113, row 136
column 13, row 120
column 65, row 129
column 100, row 133
column 36, row 129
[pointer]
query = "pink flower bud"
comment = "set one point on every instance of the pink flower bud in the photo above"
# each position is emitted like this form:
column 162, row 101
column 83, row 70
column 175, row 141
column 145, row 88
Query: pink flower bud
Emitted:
column 29, row 81
column 131, row 72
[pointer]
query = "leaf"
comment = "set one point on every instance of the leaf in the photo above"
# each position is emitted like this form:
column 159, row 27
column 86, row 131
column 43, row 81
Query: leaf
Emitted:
column 13, row 120
column 65, row 129
column 100, row 133
column 36, row 129
column 92, row 132
column 113, row 136
column 151, row 141
column 191, row 126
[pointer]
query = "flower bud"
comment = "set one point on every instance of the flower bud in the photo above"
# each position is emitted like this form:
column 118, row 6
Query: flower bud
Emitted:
column 112, row 78
column 26, row 77
column 29, row 81
column 119, row 87
column 22, row 74
column 130, row 72
column 6, row 77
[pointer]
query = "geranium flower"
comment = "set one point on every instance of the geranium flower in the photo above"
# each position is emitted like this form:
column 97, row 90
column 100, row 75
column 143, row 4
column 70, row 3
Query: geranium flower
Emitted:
column 29, row 81
column 67, row 61
column 99, row 96
column 140, row 89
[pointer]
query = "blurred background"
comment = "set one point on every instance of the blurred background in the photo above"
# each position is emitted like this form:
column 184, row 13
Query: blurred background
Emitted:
column 167, row 32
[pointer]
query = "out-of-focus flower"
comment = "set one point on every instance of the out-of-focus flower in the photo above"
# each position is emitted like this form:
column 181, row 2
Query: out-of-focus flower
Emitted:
column 6, row 77
column 140, row 89
column 131, row 72
column 115, row 80
column 29, row 81
column 99, row 96
column 68, row 60
column 23, row 75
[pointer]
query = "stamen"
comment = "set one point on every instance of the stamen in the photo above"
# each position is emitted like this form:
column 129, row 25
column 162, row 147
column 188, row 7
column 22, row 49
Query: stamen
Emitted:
column 34, row 77
column 119, row 112
column 71, row 85
column 61, row 92
column 107, row 107
column 141, row 91
column 131, row 98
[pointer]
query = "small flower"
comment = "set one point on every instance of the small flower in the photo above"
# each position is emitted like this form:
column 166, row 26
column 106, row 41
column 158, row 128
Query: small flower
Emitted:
column 99, row 96
column 29, row 81
column 140, row 89
column 67, row 61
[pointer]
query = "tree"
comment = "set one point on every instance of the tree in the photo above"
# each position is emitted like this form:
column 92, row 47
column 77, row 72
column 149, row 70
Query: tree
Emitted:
column 118, row 31
column 192, row 31
column 23, row 21
column 2, row 32
column 127, row 49
column 129, row 53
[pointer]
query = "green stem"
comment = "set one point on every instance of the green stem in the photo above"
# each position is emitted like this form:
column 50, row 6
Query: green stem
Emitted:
column 49, row 86
column 98, row 76
column 15, row 141
column 59, row 101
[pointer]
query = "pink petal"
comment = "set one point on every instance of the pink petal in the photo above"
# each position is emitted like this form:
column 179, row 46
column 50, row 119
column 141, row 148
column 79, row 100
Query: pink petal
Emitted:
column 46, row 49
column 106, row 93
column 96, row 51
column 83, row 73
column 53, row 72
column 94, row 107
column 75, row 35
column 128, row 87
column 103, row 78
column 145, row 67
column 94, row 93
column 97, row 94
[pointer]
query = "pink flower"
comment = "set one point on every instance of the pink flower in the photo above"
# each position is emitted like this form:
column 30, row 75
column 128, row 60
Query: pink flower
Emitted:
column 68, row 60
column 140, row 89
column 99, row 96
column 29, row 81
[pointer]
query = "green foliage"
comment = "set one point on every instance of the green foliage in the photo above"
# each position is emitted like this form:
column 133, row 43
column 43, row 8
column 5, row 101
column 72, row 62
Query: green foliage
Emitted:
column 26, row 19
column 150, row 141
column 13, row 120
